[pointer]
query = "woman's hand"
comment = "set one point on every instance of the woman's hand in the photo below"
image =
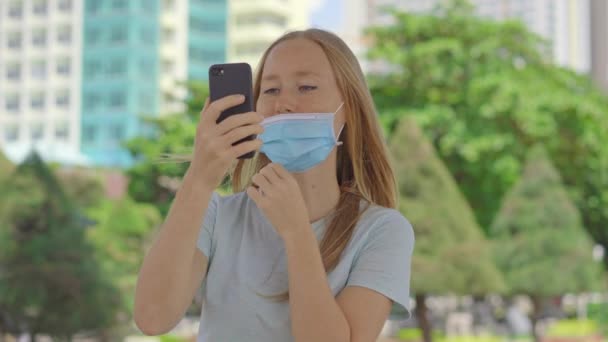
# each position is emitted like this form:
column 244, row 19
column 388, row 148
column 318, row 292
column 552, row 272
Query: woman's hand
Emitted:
column 278, row 196
column 213, row 150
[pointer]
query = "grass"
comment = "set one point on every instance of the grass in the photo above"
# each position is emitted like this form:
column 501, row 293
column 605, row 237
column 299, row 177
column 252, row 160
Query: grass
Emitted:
column 573, row 328
column 563, row 328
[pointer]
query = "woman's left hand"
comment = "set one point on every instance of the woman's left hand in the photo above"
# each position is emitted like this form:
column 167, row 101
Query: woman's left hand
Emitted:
column 279, row 197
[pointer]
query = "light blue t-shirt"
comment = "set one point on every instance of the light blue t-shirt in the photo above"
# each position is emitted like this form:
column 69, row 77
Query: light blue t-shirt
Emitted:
column 247, row 256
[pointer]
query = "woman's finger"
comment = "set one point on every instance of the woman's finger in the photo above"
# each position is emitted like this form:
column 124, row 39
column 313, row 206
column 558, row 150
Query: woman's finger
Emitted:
column 279, row 171
column 261, row 181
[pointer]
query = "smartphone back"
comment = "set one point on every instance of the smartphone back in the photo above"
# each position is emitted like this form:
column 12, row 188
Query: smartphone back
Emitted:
column 231, row 79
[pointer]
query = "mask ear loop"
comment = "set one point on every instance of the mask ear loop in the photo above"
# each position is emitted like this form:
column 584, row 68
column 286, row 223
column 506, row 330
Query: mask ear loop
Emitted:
column 338, row 143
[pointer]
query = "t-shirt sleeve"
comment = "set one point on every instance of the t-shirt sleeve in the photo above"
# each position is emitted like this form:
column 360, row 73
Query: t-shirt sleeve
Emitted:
column 205, row 237
column 384, row 262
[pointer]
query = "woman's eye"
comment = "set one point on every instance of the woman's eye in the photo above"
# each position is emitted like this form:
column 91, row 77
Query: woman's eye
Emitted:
column 271, row 91
column 307, row 88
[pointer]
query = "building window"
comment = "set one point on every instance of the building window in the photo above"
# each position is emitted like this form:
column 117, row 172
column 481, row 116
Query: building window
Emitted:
column 92, row 36
column 14, row 40
column 37, row 132
column 15, row 9
column 89, row 134
column 65, row 5
column 144, row 101
column 64, row 34
column 39, row 70
column 93, row 6
column 148, row 6
column 117, row 100
column 168, row 67
column 40, row 7
column 62, row 99
column 146, row 68
column 37, row 101
column 63, row 66
column 119, row 4
column 11, row 133
column 208, row 26
column 117, row 132
column 13, row 71
column 117, row 67
column 147, row 36
column 168, row 5
column 260, row 19
column 91, row 101
column 12, row 102
column 39, row 38
column 168, row 35
column 118, row 34
column 62, row 130
column 247, row 49
column 205, row 55
column 91, row 68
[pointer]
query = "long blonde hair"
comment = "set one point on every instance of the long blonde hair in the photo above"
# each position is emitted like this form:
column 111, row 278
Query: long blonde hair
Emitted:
column 363, row 165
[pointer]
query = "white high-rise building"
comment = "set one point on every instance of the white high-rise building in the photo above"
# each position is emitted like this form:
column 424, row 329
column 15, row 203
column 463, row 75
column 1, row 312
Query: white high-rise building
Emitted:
column 599, row 46
column 563, row 23
column 40, row 68
column 40, row 44
column 254, row 25
column 173, row 54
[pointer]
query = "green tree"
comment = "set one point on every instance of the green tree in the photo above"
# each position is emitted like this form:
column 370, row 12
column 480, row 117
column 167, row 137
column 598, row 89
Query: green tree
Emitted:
column 84, row 186
column 451, row 253
column 50, row 282
column 121, row 236
column 6, row 167
column 155, row 182
column 484, row 95
column 540, row 243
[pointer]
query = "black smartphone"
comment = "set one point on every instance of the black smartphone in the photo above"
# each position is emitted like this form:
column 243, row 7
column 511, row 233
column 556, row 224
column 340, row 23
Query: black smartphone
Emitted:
column 231, row 79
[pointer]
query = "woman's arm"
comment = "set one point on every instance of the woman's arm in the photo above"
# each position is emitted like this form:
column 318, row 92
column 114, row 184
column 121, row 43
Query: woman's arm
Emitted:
column 315, row 314
column 356, row 315
column 174, row 268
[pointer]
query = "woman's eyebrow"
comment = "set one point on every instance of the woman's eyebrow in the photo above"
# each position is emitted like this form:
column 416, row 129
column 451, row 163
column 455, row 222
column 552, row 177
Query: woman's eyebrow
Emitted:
column 299, row 73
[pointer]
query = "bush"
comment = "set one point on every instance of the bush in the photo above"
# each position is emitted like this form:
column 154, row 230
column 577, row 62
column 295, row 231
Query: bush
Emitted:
column 599, row 313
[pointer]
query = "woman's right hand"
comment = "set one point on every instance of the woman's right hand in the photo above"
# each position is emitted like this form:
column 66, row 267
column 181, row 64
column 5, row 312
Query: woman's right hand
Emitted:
column 213, row 150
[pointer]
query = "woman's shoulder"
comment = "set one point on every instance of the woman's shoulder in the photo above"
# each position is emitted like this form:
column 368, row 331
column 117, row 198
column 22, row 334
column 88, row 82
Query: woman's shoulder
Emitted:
column 374, row 213
column 377, row 219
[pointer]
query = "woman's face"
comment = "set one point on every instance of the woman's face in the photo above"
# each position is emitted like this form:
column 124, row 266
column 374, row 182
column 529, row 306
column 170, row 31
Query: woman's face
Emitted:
column 298, row 78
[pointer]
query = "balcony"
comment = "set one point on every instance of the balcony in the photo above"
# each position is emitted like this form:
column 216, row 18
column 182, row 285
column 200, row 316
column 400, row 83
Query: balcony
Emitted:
column 264, row 33
column 277, row 7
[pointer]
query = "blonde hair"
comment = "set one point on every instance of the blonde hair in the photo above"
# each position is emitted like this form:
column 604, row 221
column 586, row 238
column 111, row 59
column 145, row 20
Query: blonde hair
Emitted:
column 363, row 164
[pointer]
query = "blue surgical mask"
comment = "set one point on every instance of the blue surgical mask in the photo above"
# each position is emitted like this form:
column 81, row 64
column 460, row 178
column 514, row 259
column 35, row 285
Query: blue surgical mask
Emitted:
column 299, row 141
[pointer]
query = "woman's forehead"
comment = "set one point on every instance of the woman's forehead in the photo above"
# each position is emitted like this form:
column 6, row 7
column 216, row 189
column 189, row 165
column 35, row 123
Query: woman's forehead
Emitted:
column 296, row 57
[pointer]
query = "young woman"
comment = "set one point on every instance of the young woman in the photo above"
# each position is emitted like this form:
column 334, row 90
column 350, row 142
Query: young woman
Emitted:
column 310, row 246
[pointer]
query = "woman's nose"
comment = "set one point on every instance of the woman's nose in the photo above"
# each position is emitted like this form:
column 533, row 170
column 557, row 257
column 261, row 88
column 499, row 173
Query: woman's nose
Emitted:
column 284, row 104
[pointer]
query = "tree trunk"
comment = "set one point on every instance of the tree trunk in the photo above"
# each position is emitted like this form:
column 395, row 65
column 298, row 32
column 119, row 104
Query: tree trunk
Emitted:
column 536, row 311
column 422, row 315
